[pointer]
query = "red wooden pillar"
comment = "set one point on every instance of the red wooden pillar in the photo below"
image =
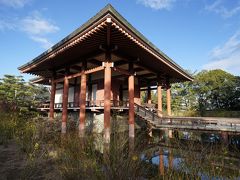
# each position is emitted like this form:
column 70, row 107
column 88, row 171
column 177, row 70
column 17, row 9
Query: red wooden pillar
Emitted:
column 159, row 97
column 131, row 100
column 107, row 100
column 82, row 104
column 52, row 99
column 65, row 104
column 169, row 112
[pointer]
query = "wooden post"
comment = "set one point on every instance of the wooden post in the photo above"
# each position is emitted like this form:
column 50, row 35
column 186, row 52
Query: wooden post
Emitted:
column 107, row 85
column 82, row 100
column 65, row 105
column 159, row 96
column 168, row 99
column 149, row 96
column 52, row 99
column 131, row 100
column 107, row 101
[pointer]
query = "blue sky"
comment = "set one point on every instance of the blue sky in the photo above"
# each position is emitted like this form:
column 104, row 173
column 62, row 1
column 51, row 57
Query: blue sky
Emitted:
column 196, row 34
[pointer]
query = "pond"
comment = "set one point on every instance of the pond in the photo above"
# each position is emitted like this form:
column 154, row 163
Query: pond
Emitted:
column 165, row 154
column 203, row 155
column 152, row 154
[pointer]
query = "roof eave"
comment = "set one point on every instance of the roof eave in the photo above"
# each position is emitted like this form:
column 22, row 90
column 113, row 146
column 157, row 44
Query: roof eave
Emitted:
column 104, row 12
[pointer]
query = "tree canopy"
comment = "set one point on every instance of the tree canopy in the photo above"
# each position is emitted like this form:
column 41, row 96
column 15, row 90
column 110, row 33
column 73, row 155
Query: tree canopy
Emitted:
column 16, row 94
column 210, row 90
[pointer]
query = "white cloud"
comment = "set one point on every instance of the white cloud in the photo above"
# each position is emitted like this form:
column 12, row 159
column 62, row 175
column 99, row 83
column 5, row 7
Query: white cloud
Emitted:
column 231, row 46
column 37, row 28
column 37, row 25
column 219, row 7
column 14, row 3
column 157, row 4
column 227, row 56
column 5, row 25
column 45, row 43
column 230, row 64
column 34, row 26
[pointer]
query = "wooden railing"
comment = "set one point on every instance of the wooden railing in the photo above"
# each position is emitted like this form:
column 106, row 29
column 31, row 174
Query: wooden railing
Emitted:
column 96, row 103
column 203, row 123
column 149, row 114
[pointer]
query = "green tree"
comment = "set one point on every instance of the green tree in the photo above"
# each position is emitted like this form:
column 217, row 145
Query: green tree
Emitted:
column 210, row 90
column 214, row 90
column 183, row 97
column 17, row 95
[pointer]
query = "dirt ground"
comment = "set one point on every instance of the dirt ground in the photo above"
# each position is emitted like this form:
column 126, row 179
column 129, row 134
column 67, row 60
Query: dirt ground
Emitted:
column 14, row 165
column 12, row 162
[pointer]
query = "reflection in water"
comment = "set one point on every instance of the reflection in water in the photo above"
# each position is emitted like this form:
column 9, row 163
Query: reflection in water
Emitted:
column 161, row 162
column 168, row 154
column 196, row 154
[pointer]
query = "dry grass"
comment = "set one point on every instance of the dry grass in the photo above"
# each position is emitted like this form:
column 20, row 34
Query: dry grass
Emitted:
column 48, row 155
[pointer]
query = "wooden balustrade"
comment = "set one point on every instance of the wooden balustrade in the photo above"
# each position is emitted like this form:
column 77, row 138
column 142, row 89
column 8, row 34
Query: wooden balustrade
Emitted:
column 200, row 123
column 95, row 103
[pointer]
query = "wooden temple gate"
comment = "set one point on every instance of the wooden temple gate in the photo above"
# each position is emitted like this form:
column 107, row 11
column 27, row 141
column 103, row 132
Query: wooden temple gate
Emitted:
column 106, row 44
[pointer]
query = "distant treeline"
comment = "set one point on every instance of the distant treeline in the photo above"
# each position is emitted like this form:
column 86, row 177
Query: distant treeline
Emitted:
column 211, row 91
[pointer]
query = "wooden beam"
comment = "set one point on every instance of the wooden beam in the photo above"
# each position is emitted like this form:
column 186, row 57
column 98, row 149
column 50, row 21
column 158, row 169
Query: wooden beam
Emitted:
column 122, row 71
column 135, row 60
column 78, row 60
column 146, row 75
column 89, row 71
